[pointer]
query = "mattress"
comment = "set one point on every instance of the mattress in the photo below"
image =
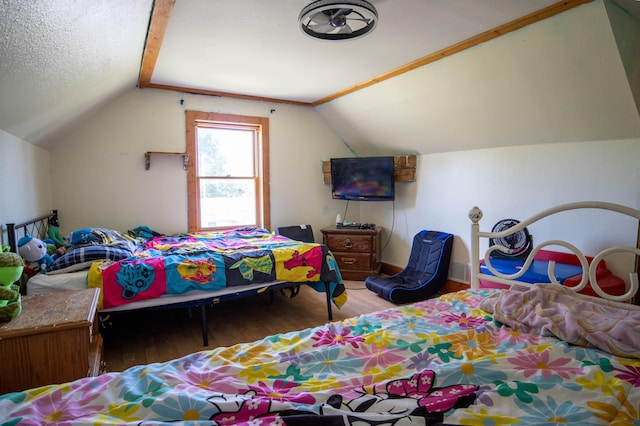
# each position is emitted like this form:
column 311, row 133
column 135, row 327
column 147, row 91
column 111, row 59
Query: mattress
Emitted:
column 44, row 283
column 537, row 272
column 51, row 283
column 441, row 361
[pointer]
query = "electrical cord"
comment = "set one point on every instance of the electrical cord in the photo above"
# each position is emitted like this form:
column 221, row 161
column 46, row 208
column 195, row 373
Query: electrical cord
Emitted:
column 393, row 224
column 345, row 211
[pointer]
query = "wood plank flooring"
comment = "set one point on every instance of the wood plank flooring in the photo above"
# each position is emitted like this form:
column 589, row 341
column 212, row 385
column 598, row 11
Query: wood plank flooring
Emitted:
column 156, row 336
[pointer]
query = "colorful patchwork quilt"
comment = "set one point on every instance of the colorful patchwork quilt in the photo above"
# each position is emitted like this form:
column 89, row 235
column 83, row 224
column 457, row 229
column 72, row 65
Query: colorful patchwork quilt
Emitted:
column 213, row 261
column 440, row 361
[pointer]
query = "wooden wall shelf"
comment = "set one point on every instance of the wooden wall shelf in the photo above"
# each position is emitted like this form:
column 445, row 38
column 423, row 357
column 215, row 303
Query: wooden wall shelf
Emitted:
column 404, row 169
column 148, row 154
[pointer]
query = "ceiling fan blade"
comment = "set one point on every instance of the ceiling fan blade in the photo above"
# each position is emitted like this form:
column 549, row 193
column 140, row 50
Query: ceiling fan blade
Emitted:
column 365, row 20
column 345, row 29
column 320, row 18
column 322, row 28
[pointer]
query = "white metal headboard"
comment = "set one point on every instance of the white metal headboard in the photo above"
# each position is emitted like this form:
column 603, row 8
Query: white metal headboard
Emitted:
column 475, row 214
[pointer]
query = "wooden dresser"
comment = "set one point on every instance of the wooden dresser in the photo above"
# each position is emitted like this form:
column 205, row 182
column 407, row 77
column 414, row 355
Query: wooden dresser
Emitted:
column 357, row 251
column 54, row 340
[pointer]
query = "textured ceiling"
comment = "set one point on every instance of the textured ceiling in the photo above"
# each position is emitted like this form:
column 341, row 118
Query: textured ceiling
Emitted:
column 63, row 59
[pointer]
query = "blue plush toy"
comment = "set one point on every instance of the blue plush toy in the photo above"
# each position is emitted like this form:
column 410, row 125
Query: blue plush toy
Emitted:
column 34, row 252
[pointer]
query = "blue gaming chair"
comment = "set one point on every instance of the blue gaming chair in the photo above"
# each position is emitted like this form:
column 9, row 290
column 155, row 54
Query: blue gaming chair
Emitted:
column 425, row 273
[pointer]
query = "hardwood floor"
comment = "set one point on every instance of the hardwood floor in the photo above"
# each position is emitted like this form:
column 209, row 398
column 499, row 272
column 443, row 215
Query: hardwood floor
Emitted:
column 161, row 335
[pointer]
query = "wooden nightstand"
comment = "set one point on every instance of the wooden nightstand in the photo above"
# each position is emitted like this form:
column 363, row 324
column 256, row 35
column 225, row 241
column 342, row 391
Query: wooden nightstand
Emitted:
column 54, row 340
column 357, row 251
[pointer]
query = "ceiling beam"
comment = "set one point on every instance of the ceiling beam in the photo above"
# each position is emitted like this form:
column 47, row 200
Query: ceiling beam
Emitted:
column 157, row 28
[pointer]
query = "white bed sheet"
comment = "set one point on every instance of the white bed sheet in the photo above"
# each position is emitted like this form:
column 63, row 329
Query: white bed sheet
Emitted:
column 45, row 283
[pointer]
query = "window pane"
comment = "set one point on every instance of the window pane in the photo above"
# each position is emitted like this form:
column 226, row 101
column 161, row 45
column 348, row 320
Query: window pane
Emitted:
column 227, row 202
column 225, row 152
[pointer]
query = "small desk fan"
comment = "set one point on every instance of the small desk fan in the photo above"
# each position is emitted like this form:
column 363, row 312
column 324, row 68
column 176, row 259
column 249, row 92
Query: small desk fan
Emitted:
column 519, row 244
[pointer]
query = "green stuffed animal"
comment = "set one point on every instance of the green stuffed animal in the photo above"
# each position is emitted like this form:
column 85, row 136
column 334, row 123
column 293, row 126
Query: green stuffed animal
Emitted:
column 11, row 267
column 54, row 232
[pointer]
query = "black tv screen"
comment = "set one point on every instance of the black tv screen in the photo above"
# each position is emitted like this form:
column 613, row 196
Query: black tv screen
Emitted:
column 362, row 178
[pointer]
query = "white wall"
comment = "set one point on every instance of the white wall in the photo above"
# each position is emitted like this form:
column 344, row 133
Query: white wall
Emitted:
column 99, row 177
column 626, row 29
column 98, row 174
column 558, row 80
column 25, row 192
column 553, row 106
column 518, row 182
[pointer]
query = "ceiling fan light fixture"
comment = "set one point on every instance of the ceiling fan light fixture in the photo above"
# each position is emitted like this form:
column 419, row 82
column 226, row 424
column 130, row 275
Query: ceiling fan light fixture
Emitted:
column 338, row 20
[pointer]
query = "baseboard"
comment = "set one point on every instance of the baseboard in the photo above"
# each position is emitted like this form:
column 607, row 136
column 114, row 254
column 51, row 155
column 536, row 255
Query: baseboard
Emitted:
column 388, row 269
column 453, row 286
column 449, row 287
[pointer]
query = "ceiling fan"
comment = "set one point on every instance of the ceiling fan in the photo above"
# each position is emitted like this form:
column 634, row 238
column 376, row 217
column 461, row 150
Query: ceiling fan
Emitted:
column 338, row 20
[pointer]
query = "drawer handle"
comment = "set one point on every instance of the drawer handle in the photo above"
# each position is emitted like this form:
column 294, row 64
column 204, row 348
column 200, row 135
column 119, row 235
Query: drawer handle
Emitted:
column 349, row 260
column 348, row 244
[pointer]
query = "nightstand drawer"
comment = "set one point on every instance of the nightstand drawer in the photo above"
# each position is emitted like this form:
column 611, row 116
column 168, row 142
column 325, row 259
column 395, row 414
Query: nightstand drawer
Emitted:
column 357, row 251
column 349, row 243
column 352, row 261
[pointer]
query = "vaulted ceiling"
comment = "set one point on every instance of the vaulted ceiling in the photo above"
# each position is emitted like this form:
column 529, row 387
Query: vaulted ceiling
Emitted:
column 62, row 60
column 253, row 48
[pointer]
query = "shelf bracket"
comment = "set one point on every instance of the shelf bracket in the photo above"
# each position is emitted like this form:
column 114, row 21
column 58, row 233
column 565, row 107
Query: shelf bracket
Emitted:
column 148, row 154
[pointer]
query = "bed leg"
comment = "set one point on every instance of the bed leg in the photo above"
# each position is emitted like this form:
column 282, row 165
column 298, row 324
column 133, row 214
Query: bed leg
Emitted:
column 328, row 293
column 203, row 317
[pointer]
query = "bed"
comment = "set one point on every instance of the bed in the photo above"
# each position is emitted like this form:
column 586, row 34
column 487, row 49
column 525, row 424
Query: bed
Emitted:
column 143, row 269
column 476, row 356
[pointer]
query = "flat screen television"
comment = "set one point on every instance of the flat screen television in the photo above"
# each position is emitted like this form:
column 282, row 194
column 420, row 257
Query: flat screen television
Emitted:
column 362, row 179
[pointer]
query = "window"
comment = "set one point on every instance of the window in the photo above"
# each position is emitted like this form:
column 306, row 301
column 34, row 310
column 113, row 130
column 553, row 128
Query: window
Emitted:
column 228, row 173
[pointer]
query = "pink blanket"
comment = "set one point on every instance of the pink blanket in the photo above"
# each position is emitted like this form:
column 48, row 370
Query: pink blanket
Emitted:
column 555, row 310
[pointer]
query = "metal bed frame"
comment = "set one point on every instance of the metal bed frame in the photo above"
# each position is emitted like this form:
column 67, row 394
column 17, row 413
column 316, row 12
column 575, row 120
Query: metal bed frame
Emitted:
column 40, row 225
column 589, row 270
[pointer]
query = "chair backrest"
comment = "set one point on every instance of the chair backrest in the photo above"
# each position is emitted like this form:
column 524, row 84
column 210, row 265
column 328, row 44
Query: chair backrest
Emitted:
column 302, row 233
column 427, row 251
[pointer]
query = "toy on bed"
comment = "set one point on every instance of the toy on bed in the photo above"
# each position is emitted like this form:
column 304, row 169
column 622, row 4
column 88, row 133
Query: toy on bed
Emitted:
column 11, row 267
column 53, row 230
column 34, row 251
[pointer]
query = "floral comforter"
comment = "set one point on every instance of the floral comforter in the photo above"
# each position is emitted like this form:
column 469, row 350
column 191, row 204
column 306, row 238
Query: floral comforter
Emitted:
column 212, row 261
column 441, row 361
